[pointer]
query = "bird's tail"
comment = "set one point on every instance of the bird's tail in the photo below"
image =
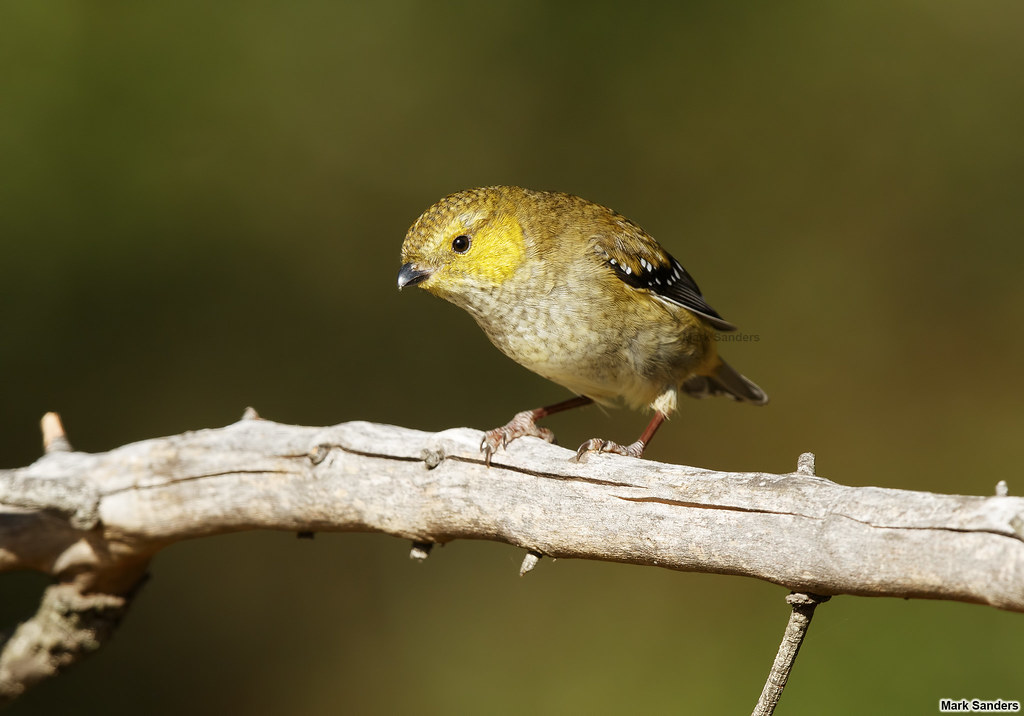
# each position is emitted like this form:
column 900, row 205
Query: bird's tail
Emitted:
column 723, row 380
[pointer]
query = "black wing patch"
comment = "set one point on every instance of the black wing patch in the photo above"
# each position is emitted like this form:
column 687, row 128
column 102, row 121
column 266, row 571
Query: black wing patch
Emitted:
column 669, row 280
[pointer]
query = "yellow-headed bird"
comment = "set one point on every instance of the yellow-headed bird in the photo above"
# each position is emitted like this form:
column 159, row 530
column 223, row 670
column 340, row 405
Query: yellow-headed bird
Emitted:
column 578, row 294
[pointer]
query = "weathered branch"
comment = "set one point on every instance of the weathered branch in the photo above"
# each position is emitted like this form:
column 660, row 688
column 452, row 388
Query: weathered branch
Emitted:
column 93, row 521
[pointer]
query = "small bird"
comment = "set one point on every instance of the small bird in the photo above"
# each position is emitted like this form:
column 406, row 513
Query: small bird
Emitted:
column 578, row 294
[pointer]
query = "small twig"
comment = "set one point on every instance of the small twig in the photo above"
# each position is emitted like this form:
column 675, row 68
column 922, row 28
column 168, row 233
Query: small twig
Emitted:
column 529, row 562
column 420, row 551
column 54, row 437
column 803, row 609
column 805, row 463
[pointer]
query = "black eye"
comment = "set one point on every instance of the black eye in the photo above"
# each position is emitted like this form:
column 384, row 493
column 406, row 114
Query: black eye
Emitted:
column 460, row 244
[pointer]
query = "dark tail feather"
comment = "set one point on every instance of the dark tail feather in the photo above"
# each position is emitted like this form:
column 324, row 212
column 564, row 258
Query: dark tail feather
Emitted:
column 725, row 381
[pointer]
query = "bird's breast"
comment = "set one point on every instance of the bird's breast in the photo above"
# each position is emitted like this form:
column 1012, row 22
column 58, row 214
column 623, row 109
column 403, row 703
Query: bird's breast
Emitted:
column 595, row 344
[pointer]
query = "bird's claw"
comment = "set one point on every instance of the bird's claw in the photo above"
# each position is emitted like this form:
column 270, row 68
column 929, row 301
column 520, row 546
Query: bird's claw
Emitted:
column 521, row 425
column 598, row 445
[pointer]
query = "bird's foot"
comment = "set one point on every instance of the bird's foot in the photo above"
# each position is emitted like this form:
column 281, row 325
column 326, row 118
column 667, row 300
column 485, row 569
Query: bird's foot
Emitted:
column 524, row 423
column 598, row 445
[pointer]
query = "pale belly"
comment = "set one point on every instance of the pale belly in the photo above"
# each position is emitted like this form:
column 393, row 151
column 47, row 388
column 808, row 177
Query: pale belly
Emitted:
column 634, row 353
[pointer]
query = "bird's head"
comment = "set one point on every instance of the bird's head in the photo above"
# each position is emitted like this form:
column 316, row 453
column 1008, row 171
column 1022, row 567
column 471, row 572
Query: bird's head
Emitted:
column 468, row 242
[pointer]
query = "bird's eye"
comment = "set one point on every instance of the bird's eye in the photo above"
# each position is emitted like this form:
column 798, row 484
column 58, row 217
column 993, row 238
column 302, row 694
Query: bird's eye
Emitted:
column 460, row 244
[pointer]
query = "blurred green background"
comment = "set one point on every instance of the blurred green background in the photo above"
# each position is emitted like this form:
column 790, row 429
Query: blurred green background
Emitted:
column 201, row 208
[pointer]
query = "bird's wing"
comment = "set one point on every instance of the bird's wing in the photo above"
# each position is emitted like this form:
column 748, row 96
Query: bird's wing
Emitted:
column 641, row 262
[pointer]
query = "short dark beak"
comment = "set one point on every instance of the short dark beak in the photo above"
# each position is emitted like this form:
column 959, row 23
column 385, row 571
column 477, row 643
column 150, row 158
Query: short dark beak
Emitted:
column 409, row 275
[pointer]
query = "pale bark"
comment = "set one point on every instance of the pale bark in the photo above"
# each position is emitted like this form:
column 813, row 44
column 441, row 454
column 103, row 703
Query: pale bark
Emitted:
column 93, row 521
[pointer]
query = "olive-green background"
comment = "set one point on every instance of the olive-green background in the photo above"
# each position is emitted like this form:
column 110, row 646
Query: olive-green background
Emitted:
column 201, row 208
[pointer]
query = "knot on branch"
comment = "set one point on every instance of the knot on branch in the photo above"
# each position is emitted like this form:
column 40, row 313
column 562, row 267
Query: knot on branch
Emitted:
column 319, row 453
column 432, row 457
column 71, row 498
column 805, row 599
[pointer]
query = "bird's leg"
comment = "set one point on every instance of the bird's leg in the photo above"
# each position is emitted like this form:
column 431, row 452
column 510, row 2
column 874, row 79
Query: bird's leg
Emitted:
column 634, row 450
column 525, row 423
